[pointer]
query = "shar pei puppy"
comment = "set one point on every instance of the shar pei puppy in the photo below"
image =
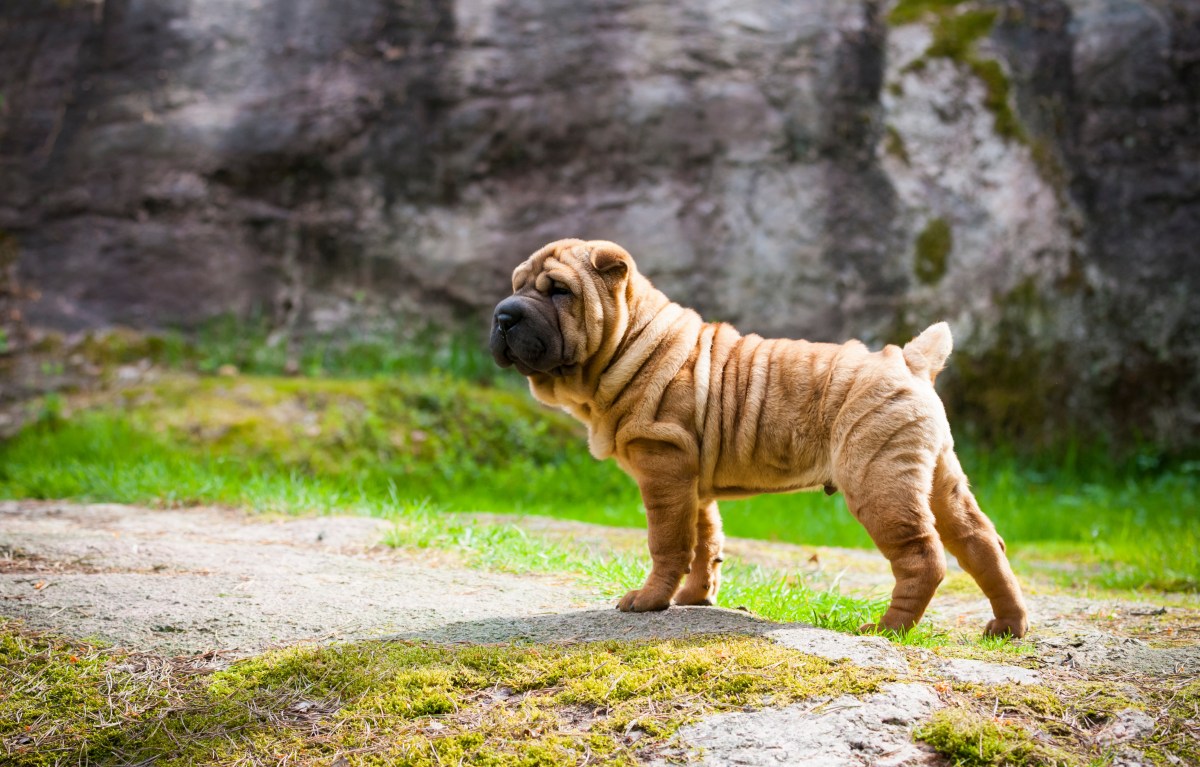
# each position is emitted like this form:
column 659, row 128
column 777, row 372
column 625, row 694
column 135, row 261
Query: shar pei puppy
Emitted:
column 696, row 412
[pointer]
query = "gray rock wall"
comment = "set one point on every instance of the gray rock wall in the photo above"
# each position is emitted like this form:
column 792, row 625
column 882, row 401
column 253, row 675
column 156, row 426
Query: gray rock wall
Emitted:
column 1028, row 170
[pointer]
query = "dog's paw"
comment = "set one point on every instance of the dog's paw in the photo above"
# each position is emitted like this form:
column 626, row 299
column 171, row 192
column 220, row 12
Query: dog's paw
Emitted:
column 642, row 601
column 1013, row 627
column 872, row 628
column 700, row 598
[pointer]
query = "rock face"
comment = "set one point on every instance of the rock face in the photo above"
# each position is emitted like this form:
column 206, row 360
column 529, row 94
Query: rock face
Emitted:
column 1028, row 170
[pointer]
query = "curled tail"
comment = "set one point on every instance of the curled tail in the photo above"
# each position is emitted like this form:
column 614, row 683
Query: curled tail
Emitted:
column 926, row 354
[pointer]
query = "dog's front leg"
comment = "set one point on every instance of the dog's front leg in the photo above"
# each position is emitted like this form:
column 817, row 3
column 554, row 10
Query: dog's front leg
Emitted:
column 667, row 477
column 704, row 579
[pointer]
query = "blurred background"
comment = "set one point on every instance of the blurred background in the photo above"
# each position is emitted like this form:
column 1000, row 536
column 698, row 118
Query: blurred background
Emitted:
column 198, row 196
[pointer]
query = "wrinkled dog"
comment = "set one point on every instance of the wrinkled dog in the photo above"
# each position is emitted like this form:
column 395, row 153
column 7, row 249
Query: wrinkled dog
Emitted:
column 696, row 412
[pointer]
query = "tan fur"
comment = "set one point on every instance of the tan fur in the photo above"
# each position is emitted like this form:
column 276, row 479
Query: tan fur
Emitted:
column 696, row 412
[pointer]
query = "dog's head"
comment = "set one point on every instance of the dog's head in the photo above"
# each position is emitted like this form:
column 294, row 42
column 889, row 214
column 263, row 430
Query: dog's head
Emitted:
column 569, row 303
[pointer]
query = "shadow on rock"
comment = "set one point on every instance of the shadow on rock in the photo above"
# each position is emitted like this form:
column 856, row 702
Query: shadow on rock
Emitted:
column 595, row 625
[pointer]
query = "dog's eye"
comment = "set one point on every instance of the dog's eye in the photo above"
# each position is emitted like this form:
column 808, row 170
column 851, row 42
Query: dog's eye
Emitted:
column 559, row 289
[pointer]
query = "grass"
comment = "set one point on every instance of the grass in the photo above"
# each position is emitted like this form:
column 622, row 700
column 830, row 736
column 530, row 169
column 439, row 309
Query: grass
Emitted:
column 762, row 591
column 253, row 346
column 297, row 445
column 105, row 458
column 377, row 703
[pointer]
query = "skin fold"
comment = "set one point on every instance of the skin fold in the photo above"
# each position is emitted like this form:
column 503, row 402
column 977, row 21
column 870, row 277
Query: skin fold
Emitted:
column 696, row 412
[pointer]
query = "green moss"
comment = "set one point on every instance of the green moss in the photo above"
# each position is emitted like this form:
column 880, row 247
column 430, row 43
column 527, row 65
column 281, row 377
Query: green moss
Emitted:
column 995, row 82
column 57, row 691
column 121, row 346
column 1036, row 700
column 933, row 246
column 1011, row 385
column 1046, row 159
column 893, row 144
column 972, row 740
column 909, row 11
column 956, row 34
column 391, row 702
column 1098, row 702
column 1174, row 741
column 1040, row 724
column 1187, row 700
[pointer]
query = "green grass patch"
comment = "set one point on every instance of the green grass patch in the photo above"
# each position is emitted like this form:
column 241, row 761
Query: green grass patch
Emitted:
column 295, row 445
column 377, row 703
column 972, row 646
column 311, row 446
column 762, row 591
column 256, row 347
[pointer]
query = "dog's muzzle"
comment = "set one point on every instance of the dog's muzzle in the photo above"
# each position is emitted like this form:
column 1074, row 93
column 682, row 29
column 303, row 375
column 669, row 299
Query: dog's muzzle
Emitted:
column 516, row 336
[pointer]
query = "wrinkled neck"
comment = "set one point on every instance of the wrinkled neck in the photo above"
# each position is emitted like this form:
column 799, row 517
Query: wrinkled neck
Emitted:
column 651, row 320
column 643, row 304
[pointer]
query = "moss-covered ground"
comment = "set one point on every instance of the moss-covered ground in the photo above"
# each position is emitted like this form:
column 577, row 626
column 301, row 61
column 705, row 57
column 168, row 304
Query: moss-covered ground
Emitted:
column 1065, row 723
column 406, row 703
column 389, row 703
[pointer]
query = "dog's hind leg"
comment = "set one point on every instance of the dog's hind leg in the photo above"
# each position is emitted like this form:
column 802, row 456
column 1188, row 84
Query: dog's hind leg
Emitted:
column 704, row 579
column 891, row 500
column 971, row 537
column 902, row 528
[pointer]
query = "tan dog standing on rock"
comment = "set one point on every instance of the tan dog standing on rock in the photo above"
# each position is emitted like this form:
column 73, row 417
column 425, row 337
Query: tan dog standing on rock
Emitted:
column 696, row 412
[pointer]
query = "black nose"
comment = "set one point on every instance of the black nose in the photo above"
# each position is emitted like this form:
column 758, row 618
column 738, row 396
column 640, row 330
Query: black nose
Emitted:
column 508, row 313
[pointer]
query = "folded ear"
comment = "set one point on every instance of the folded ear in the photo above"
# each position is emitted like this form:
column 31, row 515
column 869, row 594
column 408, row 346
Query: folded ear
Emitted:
column 610, row 259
